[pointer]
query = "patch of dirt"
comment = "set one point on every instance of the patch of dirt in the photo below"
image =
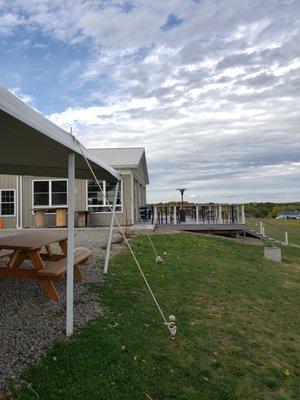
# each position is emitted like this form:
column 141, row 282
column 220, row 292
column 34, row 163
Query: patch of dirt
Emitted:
column 295, row 267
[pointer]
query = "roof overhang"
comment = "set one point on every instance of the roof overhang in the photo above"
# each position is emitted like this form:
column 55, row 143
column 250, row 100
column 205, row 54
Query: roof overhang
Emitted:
column 32, row 145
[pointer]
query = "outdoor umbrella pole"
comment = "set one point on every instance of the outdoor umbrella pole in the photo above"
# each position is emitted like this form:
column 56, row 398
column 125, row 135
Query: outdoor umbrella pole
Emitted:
column 70, row 255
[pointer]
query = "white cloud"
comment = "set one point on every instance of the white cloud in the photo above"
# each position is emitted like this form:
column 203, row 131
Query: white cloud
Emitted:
column 215, row 100
column 22, row 96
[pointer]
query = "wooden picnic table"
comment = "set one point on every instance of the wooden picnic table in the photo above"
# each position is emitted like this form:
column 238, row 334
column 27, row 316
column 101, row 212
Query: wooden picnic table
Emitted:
column 27, row 246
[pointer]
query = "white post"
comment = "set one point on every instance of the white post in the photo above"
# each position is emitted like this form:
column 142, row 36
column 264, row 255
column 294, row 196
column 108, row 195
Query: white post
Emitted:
column 21, row 202
column 155, row 215
column 220, row 214
column 197, row 214
column 263, row 232
column 286, row 238
column 70, row 255
column 175, row 216
column 111, row 227
column 243, row 215
column 261, row 227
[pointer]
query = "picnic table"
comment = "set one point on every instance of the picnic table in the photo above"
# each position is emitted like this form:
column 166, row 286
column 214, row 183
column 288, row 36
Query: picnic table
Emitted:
column 27, row 246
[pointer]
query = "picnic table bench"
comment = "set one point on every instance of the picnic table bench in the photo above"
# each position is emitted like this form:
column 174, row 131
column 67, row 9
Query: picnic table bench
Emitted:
column 27, row 246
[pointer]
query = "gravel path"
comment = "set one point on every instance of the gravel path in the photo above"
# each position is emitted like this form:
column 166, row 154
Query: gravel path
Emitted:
column 30, row 323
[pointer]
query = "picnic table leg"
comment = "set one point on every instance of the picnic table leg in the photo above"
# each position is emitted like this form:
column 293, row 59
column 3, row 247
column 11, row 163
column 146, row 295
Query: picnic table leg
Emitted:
column 49, row 251
column 17, row 259
column 48, row 286
column 77, row 273
column 64, row 247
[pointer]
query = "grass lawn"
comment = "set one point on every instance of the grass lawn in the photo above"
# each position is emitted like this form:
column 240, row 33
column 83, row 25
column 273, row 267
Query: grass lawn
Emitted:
column 274, row 226
column 238, row 328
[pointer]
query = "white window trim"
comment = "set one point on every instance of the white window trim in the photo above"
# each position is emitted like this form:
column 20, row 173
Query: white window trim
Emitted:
column 12, row 215
column 88, row 207
column 50, row 194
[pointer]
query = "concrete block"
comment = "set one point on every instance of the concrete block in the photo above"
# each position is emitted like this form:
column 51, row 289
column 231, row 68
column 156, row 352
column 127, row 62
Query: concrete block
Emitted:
column 273, row 253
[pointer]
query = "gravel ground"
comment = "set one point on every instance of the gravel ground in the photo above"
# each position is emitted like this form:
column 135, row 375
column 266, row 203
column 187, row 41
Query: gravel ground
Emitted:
column 31, row 323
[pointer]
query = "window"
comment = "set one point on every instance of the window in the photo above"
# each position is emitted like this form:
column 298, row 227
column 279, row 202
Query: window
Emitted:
column 96, row 198
column 7, row 202
column 50, row 193
column 59, row 193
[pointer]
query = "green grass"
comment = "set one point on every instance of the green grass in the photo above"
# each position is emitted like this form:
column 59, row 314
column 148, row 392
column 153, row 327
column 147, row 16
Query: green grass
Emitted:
column 238, row 329
column 276, row 227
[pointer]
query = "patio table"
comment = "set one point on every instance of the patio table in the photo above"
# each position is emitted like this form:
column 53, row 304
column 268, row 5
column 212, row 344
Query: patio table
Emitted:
column 27, row 246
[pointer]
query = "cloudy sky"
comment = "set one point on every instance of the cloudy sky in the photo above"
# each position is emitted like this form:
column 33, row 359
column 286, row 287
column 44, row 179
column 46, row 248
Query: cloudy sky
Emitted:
column 210, row 87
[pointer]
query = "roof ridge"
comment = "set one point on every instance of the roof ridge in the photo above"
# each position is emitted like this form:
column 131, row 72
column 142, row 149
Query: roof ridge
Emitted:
column 115, row 148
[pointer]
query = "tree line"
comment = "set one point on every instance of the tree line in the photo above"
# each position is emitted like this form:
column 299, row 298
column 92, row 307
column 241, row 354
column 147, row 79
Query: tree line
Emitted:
column 269, row 210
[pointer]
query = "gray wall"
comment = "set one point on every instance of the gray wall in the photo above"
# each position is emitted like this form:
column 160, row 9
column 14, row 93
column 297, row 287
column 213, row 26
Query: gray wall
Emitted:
column 97, row 219
column 134, row 194
column 9, row 182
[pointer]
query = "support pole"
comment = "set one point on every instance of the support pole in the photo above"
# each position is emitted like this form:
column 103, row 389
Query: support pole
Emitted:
column 175, row 216
column 197, row 214
column 286, row 238
column 70, row 249
column 220, row 214
column 111, row 228
column 243, row 215
column 155, row 215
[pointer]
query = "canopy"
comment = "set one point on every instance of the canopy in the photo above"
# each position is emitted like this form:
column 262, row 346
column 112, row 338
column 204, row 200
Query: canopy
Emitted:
column 32, row 145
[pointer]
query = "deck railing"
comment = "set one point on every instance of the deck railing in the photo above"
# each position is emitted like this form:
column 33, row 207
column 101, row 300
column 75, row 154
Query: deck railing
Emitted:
column 198, row 214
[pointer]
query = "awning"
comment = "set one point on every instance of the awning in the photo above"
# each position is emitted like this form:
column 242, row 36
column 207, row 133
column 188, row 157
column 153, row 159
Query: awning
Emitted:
column 32, row 145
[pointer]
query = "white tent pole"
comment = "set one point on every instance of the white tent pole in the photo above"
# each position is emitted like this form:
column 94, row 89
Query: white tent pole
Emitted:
column 70, row 255
column 111, row 227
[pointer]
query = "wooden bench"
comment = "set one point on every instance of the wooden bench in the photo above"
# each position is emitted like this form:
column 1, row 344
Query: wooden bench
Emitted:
column 55, row 270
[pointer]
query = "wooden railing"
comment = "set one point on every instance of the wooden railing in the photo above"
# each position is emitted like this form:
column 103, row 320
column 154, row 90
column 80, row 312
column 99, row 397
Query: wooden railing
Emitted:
column 198, row 214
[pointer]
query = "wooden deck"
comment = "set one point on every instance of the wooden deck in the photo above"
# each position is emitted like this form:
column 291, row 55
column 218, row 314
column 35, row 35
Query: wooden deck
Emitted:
column 220, row 229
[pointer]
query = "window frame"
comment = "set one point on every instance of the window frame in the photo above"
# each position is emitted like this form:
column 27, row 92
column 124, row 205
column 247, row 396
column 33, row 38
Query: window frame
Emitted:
column 50, row 194
column 14, row 202
column 89, row 207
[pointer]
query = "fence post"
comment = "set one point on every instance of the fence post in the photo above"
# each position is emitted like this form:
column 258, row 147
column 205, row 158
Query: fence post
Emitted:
column 263, row 232
column 286, row 238
column 261, row 227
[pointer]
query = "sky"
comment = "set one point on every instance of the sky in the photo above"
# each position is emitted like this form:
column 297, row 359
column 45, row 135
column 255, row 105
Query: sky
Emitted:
column 211, row 88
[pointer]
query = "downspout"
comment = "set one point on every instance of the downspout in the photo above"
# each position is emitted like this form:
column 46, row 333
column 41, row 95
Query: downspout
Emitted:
column 17, row 202
column 21, row 202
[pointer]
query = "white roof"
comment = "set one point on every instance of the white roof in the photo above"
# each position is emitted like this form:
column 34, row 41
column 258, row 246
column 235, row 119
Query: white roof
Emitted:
column 32, row 145
column 129, row 157
column 120, row 157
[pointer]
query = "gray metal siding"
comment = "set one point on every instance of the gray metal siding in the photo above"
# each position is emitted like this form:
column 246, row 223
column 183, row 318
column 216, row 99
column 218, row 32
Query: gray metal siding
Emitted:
column 139, row 174
column 9, row 182
column 101, row 219
column 28, row 215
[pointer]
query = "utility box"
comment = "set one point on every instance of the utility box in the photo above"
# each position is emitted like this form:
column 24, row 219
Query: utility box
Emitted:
column 273, row 253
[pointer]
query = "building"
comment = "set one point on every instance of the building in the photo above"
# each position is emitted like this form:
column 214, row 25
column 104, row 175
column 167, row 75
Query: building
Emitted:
column 289, row 215
column 22, row 196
